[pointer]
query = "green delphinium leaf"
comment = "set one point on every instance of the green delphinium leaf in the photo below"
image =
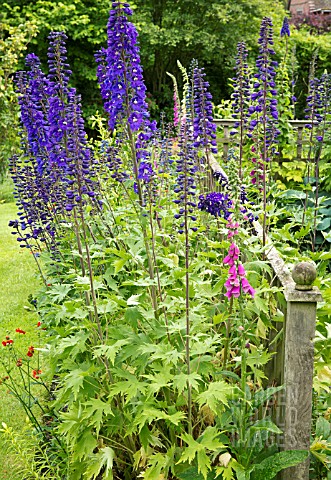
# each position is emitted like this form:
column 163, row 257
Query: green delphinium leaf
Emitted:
column 96, row 411
column 217, row 393
column 109, row 351
column 101, row 461
column 180, row 381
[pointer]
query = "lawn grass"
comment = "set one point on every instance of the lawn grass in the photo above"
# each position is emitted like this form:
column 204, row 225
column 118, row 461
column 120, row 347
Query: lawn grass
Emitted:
column 18, row 279
column 6, row 191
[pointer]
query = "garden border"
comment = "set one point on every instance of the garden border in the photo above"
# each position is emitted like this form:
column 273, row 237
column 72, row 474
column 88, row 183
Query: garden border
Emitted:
column 293, row 362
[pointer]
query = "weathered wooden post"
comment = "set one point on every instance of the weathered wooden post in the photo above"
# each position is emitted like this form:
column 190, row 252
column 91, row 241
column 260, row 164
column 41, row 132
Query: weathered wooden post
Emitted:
column 300, row 322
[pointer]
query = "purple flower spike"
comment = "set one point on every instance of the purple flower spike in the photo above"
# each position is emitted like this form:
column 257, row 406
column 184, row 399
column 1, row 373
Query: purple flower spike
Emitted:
column 120, row 73
column 204, row 129
column 285, row 30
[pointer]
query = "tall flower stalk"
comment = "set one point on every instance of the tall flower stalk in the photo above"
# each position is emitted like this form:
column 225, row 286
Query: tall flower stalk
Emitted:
column 123, row 90
column 265, row 114
column 241, row 98
column 185, row 188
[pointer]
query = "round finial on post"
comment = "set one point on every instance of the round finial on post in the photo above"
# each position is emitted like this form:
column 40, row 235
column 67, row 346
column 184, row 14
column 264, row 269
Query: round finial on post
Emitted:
column 304, row 274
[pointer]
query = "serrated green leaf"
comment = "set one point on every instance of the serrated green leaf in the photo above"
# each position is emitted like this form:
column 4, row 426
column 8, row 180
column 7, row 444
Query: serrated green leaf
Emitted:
column 180, row 381
column 85, row 445
column 132, row 315
column 217, row 393
column 261, row 304
column 96, row 411
column 103, row 460
column 209, row 439
column 109, row 351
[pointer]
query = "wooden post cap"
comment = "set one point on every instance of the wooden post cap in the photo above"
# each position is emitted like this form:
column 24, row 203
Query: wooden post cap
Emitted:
column 304, row 274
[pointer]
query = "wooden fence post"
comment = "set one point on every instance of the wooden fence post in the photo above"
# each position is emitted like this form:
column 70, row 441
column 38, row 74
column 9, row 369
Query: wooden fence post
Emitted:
column 300, row 322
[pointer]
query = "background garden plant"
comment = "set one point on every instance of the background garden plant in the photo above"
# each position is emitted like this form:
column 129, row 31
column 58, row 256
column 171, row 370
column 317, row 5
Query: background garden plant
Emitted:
column 155, row 318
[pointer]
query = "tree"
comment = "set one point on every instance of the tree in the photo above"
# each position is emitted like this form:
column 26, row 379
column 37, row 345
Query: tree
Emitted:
column 13, row 41
column 207, row 30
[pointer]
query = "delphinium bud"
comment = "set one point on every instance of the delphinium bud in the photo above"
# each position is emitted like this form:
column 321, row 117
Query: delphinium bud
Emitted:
column 318, row 106
column 59, row 75
column 110, row 155
column 35, row 216
column 245, row 204
column 241, row 98
column 233, row 179
column 185, row 186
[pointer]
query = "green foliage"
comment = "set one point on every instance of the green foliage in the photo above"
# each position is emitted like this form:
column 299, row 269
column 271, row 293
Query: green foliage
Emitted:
column 168, row 31
column 13, row 42
column 320, row 448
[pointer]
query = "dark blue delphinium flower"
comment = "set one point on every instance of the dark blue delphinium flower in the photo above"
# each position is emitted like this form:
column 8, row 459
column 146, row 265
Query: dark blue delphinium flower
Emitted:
column 217, row 204
column 221, row 178
column 123, row 90
column 32, row 185
column 265, row 107
column 55, row 170
column 32, row 88
column 145, row 171
column 78, row 169
column 120, row 73
column 204, row 129
column 285, row 30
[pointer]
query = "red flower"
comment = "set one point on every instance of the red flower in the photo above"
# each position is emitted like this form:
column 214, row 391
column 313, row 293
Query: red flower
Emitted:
column 30, row 351
column 7, row 342
column 38, row 324
column 19, row 362
column 36, row 373
column 4, row 343
column 19, row 330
